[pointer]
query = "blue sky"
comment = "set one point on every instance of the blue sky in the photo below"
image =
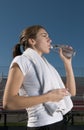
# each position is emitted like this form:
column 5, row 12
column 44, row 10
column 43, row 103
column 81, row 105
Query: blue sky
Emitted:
column 63, row 19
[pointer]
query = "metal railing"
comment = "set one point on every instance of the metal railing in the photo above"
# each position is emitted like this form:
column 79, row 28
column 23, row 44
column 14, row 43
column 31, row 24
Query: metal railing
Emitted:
column 78, row 71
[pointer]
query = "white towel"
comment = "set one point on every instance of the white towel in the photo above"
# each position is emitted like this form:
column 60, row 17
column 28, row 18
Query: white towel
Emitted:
column 49, row 79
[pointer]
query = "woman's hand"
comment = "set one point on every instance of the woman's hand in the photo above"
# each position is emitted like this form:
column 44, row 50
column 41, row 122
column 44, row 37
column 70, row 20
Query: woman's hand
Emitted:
column 64, row 59
column 57, row 94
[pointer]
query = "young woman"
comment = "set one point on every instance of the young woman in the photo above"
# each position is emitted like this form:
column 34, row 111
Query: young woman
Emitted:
column 35, row 85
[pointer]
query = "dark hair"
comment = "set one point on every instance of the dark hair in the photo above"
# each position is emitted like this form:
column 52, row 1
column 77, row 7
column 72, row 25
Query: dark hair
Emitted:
column 30, row 32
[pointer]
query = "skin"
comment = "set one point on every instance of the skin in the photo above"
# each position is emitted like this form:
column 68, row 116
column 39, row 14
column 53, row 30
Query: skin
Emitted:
column 11, row 99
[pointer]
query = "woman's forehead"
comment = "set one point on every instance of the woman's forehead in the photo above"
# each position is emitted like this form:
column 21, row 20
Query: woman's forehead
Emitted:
column 42, row 32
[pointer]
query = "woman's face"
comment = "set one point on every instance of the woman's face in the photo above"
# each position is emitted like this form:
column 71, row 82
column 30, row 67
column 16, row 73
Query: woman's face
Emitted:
column 42, row 42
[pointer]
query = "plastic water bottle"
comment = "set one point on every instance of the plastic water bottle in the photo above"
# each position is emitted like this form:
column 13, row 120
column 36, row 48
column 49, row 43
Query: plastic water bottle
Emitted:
column 68, row 51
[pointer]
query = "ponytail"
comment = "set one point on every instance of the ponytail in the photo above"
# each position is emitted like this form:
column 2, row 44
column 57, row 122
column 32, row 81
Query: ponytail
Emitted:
column 17, row 50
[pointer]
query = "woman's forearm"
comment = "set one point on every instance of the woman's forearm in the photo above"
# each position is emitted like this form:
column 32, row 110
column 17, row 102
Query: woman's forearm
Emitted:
column 20, row 102
column 70, row 80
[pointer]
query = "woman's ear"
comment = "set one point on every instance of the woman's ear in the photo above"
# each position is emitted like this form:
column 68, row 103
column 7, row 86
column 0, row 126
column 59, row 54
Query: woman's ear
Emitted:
column 31, row 41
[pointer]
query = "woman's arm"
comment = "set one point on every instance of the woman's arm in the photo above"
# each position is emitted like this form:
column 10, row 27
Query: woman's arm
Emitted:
column 70, row 79
column 11, row 99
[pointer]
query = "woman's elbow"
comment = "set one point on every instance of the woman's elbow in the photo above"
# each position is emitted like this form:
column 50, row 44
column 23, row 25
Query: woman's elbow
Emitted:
column 5, row 106
column 73, row 93
column 8, row 104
